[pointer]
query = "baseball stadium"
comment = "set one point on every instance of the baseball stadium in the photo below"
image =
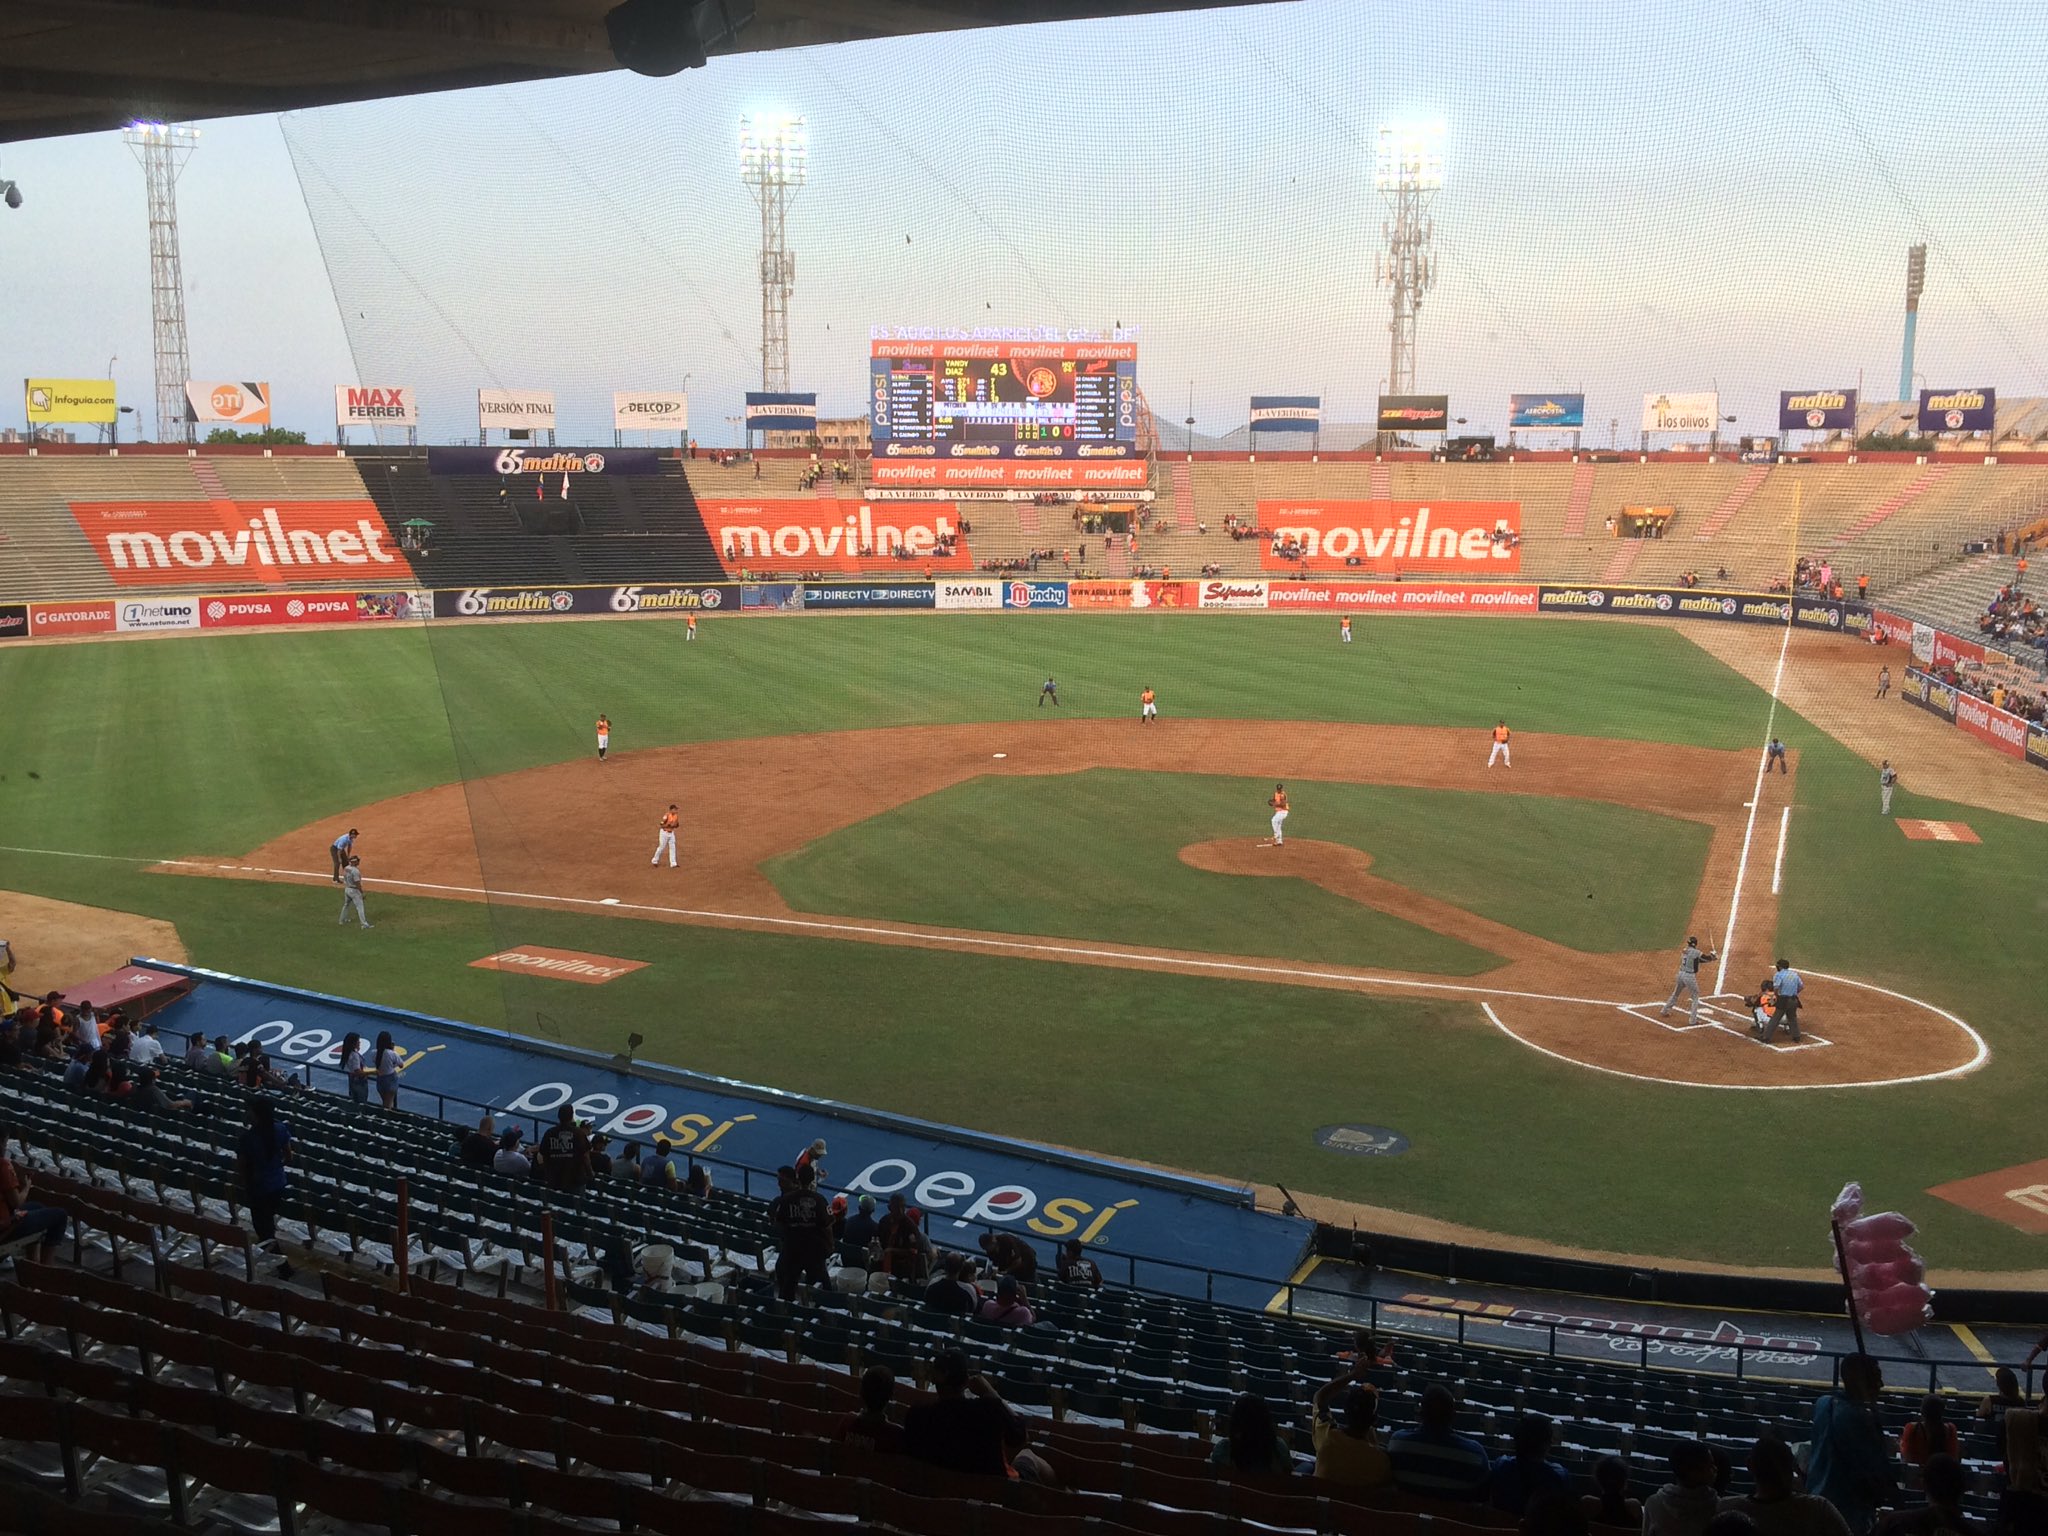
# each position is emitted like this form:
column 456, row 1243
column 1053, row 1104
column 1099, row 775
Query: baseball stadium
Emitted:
column 1441, row 878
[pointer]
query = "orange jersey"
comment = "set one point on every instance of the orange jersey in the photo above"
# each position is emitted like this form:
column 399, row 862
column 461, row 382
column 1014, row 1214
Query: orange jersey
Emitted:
column 1145, row 697
column 1279, row 800
column 670, row 821
column 1501, row 733
column 690, row 620
column 604, row 726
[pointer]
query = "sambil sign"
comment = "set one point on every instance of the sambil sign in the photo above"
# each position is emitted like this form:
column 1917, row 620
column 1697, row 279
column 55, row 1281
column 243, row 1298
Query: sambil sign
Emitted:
column 1389, row 536
column 840, row 536
column 179, row 543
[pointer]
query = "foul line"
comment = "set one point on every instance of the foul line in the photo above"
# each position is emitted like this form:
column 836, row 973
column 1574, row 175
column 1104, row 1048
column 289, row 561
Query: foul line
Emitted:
column 1778, row 868
column 1756, row 795
column 922, row 936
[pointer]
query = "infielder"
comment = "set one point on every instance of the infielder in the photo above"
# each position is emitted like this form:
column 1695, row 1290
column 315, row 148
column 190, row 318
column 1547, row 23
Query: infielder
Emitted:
column 1887, row 781
column 1148, row 710
column 1344, row 629
column 670, row 820
column 1884, row 681
column 341, row 849
column 604, row 736
column 1051, row 690
column 1278, row 800
column 1501, row 733
column 1775, row 753
column 352, row 893
column 1688, row 986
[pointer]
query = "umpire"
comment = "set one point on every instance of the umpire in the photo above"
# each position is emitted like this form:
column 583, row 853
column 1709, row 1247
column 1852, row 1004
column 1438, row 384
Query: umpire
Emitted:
column 1788, row 986
column 1688, row 985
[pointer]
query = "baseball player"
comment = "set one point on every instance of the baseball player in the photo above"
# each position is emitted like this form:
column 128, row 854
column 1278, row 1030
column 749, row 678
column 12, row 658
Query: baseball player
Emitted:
column 1688, row 987
column 352, row 893
column 689, row 626
column 340, row 849
column 1887, row 781
column 604, row 736
column 1788, row 985
column 1501, row 733
column 1278, row 800
column 1148, row 710
column 670, row 820
column 1051, row 690
column 1775, row 753
column 1763, row 1008
column 1344, row 629
column 1884, row 681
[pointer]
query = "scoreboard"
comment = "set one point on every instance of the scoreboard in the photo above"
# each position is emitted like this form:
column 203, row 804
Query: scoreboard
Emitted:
column 1004, row 399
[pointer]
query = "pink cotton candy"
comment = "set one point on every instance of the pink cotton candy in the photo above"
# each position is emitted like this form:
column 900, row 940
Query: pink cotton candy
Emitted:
column 1885, row 1226
column 1898, row 1309
column 1908, row 1270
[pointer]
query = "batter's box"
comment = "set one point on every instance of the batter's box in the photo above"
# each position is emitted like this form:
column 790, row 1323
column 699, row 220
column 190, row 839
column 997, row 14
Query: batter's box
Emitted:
column 1729, row 1019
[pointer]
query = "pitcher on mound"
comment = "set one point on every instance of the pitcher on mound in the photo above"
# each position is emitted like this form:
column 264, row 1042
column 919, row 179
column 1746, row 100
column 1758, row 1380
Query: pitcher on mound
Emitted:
column 1278, row 801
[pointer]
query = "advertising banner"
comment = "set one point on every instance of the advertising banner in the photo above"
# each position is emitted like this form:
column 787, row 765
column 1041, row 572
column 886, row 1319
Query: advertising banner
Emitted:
column 970, row 593
column 843, row 536
column 775, row 412
column 1230, row 594
column 1947, row 650
column 409, row 603
column 1922, row 690
column 878, row 595
column 1415, row 413
column 134, row 616
column 2037, row 746
column 1563, row 413
column 179, row 543
column 1388, row 536
column 516, row 410
column 1139, row 593
column 1998, row 729
column 47, row 620
column 241, row 405
column 1397, row 597
column 651, row 411
column 13, row 621
column 504, row 602
column 652, row 599
column 1958, row 410
column 1666, row 602
column 265, row 609
column 772, row 597
column 1063, row 474
column 68, row 400
column 543, row 461
column 361, row 405
column 1896, row 628
column 1287, row 413
column 1816, row 410
column 1035, row 594
column 1682, row 413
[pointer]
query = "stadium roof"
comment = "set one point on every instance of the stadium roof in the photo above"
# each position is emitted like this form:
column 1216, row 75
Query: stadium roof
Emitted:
column 75, row 66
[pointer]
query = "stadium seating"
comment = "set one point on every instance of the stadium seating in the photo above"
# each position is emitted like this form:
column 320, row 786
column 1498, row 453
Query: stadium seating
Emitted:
column 157, row 1373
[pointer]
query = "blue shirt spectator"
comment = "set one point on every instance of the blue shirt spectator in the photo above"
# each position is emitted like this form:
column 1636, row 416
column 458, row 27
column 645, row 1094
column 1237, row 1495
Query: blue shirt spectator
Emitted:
column 1528, row 1474
column 1433, row 1460
column 1848, row 1465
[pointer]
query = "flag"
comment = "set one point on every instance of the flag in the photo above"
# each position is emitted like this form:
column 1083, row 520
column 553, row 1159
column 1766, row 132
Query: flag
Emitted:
column 565, row 485
column 540, row 490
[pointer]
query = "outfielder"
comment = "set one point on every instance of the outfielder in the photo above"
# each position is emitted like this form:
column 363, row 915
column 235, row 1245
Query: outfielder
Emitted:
column 1344, row 629
column 1501, row 733
column 1688, row 985
column 1887, row 781
column 604, row 736
column 670, row 820
column 1148, row 711
column 341, row 849
column 352, row 893
column 689, row 626
column 1278, row 800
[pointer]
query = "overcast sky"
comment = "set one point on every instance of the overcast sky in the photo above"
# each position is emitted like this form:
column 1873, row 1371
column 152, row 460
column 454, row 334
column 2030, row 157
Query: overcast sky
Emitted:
column 1641, row 195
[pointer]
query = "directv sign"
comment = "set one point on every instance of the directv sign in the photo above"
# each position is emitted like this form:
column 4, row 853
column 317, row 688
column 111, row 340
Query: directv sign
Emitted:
column 1563, row 413
column 1287, row 413
column 769, row 412
column 1958, row 410
column 1816, row 409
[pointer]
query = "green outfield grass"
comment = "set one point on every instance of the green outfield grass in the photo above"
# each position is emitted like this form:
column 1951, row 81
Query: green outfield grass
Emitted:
column 134, row 751
column 1095, row 856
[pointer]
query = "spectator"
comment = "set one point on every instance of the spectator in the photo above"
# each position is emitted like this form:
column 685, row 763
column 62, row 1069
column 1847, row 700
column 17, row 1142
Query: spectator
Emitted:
column 1848, row 1466
column 1609, row 1502
column 479, row 1146
column 145, row 1050
column 627, row 1169
column 600, row 1159
column 1433, row 1460
column 10, row 1042
column 656, row 1168
column 20, row 1216
column 949, row 1293
column 962, row 1427
column 565, row 1152
column 2004, row 1394
column 353, row 1070
column 813, row 1158
column 386, row 1065
column 149, row 1096
column 1007, row 1308
column 906, row 1253
column 698, row 1183
column 1526, row 1474
column 803, row 1235
column 261, row 1155
column 85, row 1026
column 1346, row 1418
column 1009, row 1254
column 1943, row 1483
column 1076, row 1268
column 1776, row 1505
column 1683, row 1506
column 2023, row 1503
column 198, row 1054
column 1251, row 1444
column 870, row 1430
column 858, row 1235
column 508, row 1159
column 1929, row 1435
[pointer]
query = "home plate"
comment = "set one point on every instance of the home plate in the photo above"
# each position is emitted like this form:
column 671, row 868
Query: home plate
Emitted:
column 999, row 754
column 608, row 901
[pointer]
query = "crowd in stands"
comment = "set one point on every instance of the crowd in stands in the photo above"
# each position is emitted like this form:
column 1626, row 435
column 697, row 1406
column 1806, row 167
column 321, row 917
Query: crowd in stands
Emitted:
column 1029, row 561
column 816, row 471
column 1816, row 576
column 2013, row 617
column 1692, row 578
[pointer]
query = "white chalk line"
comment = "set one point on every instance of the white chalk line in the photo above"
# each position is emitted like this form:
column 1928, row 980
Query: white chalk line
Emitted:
column 1778, row 866
column 1749, row 829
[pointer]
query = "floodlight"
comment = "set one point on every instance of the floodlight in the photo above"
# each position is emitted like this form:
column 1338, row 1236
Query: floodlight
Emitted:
column 1409, row 155
column 775, row 146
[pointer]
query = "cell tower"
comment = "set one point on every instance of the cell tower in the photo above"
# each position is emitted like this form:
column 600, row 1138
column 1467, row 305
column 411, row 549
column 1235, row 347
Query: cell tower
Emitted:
column 1408, row 171
column 163, row 149
column 774, row 162
column 1916, row 280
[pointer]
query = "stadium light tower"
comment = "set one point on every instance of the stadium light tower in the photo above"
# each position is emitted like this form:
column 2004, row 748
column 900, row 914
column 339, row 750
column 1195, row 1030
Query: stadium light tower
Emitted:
column 1916, row 280
column 775, row 156
column 163, row 149
column 1408, row 172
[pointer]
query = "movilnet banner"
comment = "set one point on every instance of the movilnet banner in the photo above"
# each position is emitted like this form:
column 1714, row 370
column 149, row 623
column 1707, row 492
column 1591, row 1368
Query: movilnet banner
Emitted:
column 13, row 621
column 241, row 405
column 543, row 461
column 1958, row 410
column 1682, row 413
column 1998, row 729
column 363, row 405
column 516, row 410
column 1816, row 410
column 50, row 400
column 1064, row 474
column 768, row 411
column 849, row 537
column 1384, row 537
column 1535, row 413
column 1341, row 597
column 1415, row 413
column 1287, row 413
column 901, row 594
column 179, row 543
column 651, row 411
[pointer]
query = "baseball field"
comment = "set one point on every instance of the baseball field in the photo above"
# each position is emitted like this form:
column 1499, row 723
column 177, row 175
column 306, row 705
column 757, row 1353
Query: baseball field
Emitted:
column 905, row 882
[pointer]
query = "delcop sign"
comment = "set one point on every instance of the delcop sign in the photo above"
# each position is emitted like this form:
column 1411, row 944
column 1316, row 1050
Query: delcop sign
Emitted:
column 178, row 543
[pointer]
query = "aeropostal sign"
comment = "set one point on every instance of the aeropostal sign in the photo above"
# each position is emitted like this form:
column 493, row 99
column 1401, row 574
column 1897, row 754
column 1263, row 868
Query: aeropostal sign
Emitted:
column 174, row 543
column 516, row 410
column 651, row 411
column 1681, row 413
column 839, row 536
column 1390, row 536
column 362, row 405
